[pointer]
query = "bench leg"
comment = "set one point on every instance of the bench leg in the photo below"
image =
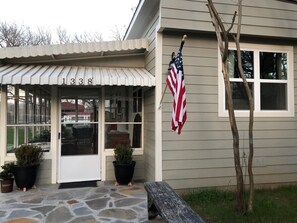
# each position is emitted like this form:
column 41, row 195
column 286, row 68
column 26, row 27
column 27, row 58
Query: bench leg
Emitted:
column 152, row 210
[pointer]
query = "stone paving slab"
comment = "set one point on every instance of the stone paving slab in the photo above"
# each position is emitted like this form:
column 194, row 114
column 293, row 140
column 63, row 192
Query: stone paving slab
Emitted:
column 48, row 204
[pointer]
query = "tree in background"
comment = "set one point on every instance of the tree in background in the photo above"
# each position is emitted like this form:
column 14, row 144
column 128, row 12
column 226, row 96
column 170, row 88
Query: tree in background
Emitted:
column 65, row 37
column 223, row 35
column 14, row 35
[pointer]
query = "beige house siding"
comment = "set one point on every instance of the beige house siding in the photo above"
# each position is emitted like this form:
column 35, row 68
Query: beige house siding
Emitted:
column 202, row 155
column 268, row 17
column 149, row 135
column 44, row 174
column 149, row 105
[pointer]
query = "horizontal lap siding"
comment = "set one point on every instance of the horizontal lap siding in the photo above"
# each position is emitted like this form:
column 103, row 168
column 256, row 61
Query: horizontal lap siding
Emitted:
column 44, row 172
column 149, row 135
column 202, row 155
column 266, row 17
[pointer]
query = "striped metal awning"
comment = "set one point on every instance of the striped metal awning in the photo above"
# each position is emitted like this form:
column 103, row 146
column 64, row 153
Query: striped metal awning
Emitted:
column 74, row 75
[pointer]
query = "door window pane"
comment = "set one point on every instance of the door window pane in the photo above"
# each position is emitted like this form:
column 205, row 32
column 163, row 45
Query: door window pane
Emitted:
column 79, row 132
column 79, row 139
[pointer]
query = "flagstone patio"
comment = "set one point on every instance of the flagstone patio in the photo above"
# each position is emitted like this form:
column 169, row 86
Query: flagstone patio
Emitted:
column 48, row 204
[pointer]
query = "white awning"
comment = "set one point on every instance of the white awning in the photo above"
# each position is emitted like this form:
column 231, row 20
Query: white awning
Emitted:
column 74, row 75
column 106, row 48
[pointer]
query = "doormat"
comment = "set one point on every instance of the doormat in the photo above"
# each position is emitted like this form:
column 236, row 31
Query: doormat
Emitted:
column 78, row 184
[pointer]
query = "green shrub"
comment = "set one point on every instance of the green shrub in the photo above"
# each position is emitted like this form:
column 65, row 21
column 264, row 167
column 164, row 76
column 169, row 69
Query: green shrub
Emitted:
column 123, row 154
column 28, row 155
column 7, row 171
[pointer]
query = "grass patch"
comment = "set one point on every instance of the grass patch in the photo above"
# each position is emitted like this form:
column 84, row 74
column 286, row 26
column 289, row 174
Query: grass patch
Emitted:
column 271, row 206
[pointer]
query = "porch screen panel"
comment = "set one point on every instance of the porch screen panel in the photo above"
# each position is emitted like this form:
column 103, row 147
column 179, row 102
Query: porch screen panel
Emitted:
column 123, row 117
column 26, row 123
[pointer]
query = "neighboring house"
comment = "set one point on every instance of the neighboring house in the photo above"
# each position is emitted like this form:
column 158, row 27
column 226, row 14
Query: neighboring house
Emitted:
column 103, row 86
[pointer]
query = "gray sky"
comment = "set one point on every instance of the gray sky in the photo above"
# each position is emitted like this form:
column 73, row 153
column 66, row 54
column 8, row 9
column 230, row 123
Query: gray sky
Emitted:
column 76, row 16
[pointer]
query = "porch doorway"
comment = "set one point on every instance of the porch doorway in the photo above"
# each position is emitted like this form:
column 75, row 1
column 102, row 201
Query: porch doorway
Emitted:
column 79, row 157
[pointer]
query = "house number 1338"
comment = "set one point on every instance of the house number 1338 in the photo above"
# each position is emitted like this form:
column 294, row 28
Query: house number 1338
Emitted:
column 79, row 81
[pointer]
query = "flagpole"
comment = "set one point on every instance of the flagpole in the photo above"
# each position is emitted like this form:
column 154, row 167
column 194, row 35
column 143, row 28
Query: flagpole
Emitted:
column 172, row 58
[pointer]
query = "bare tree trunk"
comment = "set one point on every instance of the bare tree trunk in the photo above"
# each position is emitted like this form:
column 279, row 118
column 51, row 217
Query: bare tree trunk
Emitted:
column 251, row 109
column 223, row 41
column 241, row 206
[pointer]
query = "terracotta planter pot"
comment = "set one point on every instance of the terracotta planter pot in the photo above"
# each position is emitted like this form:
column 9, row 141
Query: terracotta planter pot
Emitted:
column 6, row 185
column 124, row 172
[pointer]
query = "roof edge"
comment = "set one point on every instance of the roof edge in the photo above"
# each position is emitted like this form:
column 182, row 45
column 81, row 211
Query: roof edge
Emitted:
column 73, row 48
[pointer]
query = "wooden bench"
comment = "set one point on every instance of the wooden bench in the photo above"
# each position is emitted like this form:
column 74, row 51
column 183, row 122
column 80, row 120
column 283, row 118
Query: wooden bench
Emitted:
column 163, row 200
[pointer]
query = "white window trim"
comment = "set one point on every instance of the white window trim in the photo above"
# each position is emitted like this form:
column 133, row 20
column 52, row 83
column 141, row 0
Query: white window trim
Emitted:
column 257, row 112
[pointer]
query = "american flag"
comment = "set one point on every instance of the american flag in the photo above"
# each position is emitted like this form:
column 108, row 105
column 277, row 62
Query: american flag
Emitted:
column 176, row 83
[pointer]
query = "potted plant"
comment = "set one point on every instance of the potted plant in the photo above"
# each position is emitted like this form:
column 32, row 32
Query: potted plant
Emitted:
column 6, row 178
column 123, row 164
column 28, row 158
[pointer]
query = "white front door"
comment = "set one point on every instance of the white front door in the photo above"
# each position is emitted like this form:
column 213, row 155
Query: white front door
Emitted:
column 79, row 157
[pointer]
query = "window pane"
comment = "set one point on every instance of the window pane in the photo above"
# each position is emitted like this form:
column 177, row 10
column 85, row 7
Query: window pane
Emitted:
column 21, row 107
column 10, row 139
column 11, row 99
column 10, row 111
column 273, row 96
column 30, row 109
column 273, row 66
column 37, row 111
column 247, row 59
column 21, row 135
column 40, row 136
column 137, row 100
column 122, row 104
column 27, row 105
column 240, row 99
column 122, row 134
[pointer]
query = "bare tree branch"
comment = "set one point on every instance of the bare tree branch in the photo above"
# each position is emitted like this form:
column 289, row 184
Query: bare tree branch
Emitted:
column 86, row 37
column 63, row 36
column 232, row 23
column 118, row 33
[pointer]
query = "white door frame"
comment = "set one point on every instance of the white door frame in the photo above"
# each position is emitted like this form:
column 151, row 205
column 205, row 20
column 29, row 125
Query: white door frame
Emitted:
column 89, row 162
